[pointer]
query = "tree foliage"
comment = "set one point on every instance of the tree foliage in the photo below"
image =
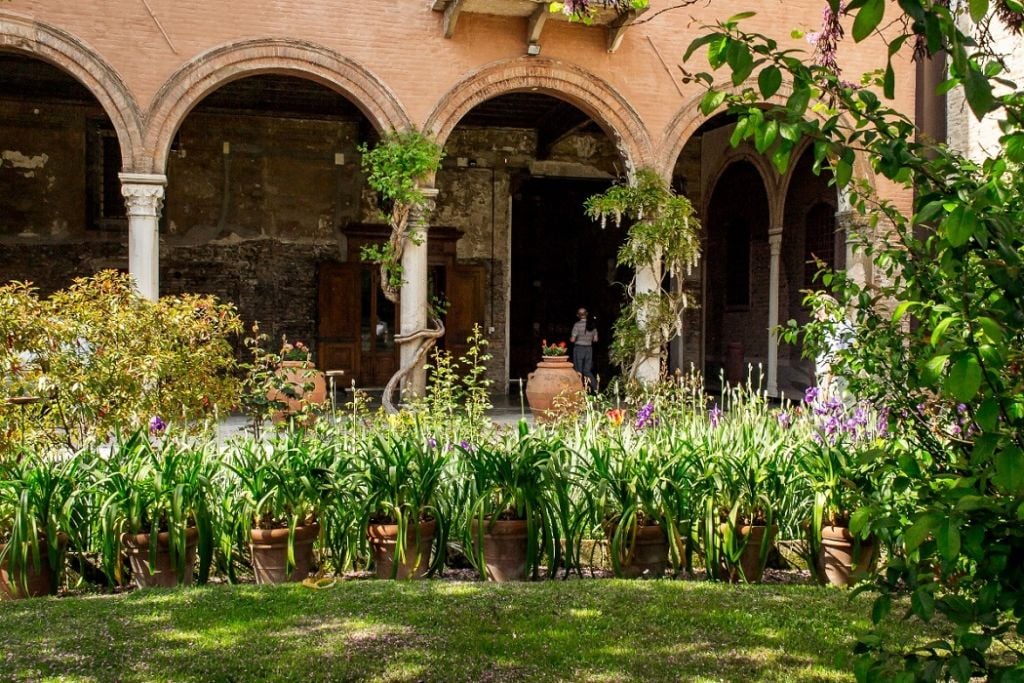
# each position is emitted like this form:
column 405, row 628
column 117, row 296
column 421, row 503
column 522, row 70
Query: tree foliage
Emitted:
column 939, row 331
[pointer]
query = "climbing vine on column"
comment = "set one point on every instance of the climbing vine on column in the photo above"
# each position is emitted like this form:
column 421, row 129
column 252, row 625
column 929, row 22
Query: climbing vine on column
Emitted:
column 395, row 167
column 664, row 235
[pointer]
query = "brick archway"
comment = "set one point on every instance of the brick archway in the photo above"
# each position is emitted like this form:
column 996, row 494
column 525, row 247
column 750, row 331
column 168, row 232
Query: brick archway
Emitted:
column 568, row 82
column 221, row 65
column 689, row 118
column 24, row 35
column 769, row 179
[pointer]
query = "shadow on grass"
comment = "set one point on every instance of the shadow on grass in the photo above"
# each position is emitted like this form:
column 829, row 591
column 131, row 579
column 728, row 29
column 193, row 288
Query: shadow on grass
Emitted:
column 440, row 631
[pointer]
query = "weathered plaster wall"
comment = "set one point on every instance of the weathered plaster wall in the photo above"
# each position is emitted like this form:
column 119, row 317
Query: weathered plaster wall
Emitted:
column 42, row 168
column 255, row 176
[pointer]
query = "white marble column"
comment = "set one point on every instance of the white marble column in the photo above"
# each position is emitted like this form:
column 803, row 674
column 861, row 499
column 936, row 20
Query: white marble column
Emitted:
column 412, row 311
column 144, row 199
column 648, row 279
column 775, row 245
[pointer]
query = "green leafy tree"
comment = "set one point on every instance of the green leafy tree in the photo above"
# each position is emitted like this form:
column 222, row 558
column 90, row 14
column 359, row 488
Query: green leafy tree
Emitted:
column 939, row 333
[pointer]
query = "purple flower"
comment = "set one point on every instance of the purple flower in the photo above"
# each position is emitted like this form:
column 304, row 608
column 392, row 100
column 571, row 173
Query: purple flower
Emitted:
column 715, row 414
column 811, row 395
column 157, row 426
column 645, row 416
column 432, row 442
column 961, row 408
column 465, row 445
column 860, row 417
column 785, row 419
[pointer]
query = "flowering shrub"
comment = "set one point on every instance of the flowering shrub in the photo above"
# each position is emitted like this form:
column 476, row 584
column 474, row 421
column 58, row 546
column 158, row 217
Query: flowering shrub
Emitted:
column 100, row 358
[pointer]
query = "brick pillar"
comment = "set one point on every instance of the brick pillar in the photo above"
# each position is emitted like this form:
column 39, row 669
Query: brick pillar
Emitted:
column 144, row 198
column 412, row 311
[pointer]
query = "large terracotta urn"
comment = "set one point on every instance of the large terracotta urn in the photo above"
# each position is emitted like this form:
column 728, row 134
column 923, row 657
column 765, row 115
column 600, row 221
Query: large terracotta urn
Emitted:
column 307, row 387
column 554, row 377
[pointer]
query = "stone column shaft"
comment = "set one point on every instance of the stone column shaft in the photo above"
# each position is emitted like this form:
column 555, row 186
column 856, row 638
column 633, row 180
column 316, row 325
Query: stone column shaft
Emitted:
column 775, row 245
column 412, row 311
column 144, row 198
column 648, row 279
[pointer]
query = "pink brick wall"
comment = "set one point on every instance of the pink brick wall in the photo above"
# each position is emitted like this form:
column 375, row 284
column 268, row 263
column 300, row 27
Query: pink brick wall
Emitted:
column 401, row 46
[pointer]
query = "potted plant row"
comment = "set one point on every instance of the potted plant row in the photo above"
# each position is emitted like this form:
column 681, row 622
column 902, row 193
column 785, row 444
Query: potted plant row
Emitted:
column 41, row 510
column 153, row 507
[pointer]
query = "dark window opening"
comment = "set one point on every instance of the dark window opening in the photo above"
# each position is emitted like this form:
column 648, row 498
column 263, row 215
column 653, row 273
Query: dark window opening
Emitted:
column 104, row 202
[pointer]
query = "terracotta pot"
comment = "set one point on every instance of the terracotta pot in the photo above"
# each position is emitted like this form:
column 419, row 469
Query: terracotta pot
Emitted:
column 136, row 547
column 836, row 556
column 38, row 579
column 751, row 567
column 417, row 560
column 554, row 376
column 649, row 555
column 298, row 374
column 504, row 548
column 269, row 549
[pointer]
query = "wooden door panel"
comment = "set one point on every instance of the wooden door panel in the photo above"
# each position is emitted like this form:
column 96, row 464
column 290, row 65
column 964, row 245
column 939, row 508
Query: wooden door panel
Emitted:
column 466, row 294
column 340, row 356
column 338, row 301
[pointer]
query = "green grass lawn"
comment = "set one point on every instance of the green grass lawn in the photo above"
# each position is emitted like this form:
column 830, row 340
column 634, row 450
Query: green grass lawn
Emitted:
column 439, row 631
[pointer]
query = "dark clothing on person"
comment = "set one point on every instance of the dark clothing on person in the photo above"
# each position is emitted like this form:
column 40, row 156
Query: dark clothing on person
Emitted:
column 583, row 363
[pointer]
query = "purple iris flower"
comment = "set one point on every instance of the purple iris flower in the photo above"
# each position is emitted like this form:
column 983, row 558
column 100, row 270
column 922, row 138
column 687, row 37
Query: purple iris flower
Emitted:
column 716, row 415
column 645, row 416
column 811, row 395
column 785, row 420
column 157, row 426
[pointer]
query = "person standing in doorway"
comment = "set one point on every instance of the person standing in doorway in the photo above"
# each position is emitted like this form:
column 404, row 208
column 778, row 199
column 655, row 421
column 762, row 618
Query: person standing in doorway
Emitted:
column 583, row 338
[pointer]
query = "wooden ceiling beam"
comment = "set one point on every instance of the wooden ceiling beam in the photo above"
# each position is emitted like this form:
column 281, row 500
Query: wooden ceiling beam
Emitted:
column 537, row 21
column 617, row 28
column 451, row 16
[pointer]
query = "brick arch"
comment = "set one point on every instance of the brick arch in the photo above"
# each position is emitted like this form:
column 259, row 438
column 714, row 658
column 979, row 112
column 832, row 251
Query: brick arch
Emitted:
column 689, row 118
column 568, row 82
column 221, row 65
column 769, row 180
column 72, row 55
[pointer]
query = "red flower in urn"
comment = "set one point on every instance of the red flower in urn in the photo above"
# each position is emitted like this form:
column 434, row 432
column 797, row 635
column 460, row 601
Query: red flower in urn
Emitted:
column 558, row 349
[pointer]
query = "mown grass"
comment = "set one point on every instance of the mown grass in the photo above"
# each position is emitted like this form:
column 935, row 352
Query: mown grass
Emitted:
column 440, row 631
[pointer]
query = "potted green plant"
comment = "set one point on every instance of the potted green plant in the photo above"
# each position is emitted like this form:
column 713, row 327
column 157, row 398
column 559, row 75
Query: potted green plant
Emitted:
column 401, row 475
column 154, row 506
column 41, row 506
column 635, row 501
column 281, row 487
column 751, row 485
column 510, row 512
column 840, row 479
column 298, row 385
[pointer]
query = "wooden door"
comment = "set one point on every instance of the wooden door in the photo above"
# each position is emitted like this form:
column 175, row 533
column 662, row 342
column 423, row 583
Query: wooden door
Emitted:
column 466, row 292
column 378, row 323
column 338, row 311
column 357, row 324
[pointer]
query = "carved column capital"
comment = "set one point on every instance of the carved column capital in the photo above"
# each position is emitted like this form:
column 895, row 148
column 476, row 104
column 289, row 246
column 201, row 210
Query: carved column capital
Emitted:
column 143, row 193
column 421, row 214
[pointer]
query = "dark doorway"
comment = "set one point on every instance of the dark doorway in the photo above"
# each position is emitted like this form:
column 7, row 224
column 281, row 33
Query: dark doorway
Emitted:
column 561, row 260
